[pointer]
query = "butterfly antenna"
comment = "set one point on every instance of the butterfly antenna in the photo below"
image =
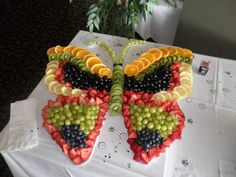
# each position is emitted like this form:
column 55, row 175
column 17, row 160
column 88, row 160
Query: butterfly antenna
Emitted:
column 107, row 48
column 124, row 50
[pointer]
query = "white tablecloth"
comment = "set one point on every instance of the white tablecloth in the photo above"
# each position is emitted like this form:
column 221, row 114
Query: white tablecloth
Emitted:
column 207, row 148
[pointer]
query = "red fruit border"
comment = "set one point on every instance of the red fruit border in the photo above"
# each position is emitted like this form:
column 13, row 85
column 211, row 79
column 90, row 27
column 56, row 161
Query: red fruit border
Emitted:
column 89, row 97
column 139, row 98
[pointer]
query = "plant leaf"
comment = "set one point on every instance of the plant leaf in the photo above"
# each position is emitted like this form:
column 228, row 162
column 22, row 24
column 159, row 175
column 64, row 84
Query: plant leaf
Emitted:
column 91, row 28
column 92, row 10
column 89, row 23
column 91, row 16
column 96, row 24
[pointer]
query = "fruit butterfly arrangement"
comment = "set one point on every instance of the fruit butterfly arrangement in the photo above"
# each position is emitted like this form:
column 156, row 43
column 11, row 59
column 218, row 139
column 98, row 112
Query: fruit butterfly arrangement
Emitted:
column 145, row 92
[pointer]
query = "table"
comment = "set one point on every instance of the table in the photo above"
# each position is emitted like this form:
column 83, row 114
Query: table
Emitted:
column 207, row 148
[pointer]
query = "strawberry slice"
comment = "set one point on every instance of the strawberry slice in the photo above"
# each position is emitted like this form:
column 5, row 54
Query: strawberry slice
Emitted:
column 85, row 153
column 77, row 160
column 65, row 148
column 72, row 153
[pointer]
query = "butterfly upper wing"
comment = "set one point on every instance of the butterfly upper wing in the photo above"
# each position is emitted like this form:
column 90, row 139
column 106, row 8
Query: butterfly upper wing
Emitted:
column 73, row 69
column 164, row 72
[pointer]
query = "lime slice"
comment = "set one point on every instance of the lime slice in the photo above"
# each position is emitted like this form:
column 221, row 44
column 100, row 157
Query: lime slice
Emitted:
column 186, row 80
column 52, row 66
column 66, row 91
column 57, row 89
column 158, row 97
column 175, row 95
column 49, row 78
column 52, row 85
column 181, row 90
column 50, row 71
column 76, row 92
column 55, row 62
column 167, row 95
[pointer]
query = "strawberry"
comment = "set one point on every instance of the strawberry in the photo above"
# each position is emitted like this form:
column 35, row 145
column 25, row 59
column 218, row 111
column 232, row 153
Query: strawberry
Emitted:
column 55, row 135
column 144, row 157
column 72, row 153
column 59, row 71
column 50, row 103
column 50, row 128
column 132, row 134
column 99, row 101
column 90, row 143
column 106, row 99
column 77, row 160
column 85, row 153
column 65, row 148
column 92, row 135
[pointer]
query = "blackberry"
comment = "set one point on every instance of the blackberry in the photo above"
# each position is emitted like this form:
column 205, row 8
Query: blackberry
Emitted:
column 148, row 139
column 84, row 80
column 152, row 83
column 73, row 136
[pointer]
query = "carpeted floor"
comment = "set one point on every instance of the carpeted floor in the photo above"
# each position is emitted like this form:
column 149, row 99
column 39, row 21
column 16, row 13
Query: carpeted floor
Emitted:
column 26, row 33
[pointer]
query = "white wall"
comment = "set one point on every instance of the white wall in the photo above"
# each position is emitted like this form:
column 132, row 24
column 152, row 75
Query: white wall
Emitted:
column 208, row 27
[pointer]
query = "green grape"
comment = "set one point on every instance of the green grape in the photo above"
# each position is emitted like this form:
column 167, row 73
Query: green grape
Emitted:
column 77, row 121
column 67, row 106
column 86, row 132
column 152, row 110
column 49, row 121
column 68, row 114
column 148, row 114
column 139, row 118
column 56, row 110
column 163, row 128
column 56, row 116
column 150, row 125
column 146, row 109
column 139, row 128
column 62, row 117
column 82, row 118
column 139, row 123
column 158, row 127
column 145, row 121
column 67, row 122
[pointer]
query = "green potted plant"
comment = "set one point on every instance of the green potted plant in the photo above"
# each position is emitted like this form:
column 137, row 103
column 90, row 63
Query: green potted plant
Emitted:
column 119, row 17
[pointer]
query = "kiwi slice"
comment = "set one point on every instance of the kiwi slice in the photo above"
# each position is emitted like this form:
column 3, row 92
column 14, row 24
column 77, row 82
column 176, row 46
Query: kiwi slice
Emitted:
column 53, row 57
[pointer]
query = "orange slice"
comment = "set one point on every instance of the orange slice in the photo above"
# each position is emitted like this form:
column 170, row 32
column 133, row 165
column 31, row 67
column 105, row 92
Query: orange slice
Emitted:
column 75, row 50
column 131, row 70
column 50, row 51
column 156, row 52
column 165, row 52
column 172, row 51
column 139, row 64
column 188, row 53
column 179, row 51
column 86, row 57
column 59, row 49
column 146, row 62
column 69, row 49
column 105, row 72
column 82, row 53
column 95, row 68
column 148, row 56
column 92, row 61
